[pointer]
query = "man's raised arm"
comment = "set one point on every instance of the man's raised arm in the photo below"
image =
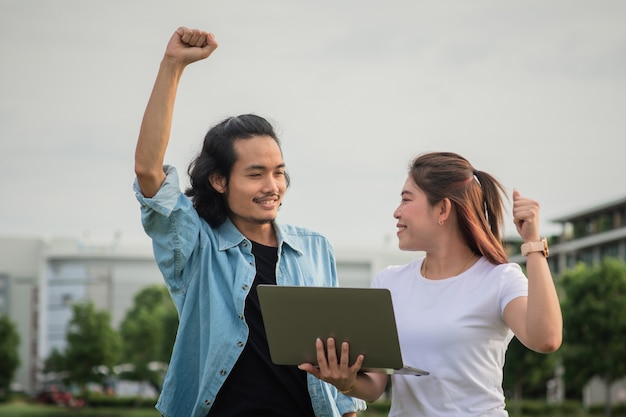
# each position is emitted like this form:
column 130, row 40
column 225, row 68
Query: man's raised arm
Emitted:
column 185, row 47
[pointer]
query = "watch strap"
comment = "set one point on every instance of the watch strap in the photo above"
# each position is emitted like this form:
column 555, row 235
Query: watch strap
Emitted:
column 529, row 247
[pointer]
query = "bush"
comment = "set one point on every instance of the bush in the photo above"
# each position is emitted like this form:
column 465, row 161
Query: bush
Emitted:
column 525, row 408
column 569, row 408
column 97, row 400
column 618, row 410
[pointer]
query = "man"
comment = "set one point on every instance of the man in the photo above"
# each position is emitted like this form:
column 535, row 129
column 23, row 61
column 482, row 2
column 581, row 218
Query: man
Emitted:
column 214, row 245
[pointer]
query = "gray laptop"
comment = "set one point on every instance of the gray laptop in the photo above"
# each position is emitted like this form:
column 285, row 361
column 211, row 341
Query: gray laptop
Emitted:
column 295, row 316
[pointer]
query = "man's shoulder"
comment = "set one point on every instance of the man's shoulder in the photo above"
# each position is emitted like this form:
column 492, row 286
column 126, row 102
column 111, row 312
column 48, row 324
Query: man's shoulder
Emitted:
column 291, row 230
column 300, row 237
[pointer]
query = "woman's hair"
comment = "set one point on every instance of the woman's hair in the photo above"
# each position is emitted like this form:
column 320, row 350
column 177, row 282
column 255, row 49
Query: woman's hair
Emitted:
column 475, row 195
column 218, row 157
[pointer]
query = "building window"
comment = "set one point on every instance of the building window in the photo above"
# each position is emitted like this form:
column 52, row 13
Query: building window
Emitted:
column 605, row 223
column 4, row 293
column 609, row 251
column 585, row 257
column 68, row 300
column 618, row 219
column 571, row 261
column 581, row 229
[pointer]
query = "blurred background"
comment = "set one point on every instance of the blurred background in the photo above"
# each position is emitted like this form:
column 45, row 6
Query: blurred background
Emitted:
column 532, row 92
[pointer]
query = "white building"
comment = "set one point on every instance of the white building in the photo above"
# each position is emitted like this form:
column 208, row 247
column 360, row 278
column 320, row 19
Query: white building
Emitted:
column 40, row 279
column 20, row 268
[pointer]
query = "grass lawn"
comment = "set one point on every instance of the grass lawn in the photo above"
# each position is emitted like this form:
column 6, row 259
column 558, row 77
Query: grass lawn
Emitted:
column 34, row 410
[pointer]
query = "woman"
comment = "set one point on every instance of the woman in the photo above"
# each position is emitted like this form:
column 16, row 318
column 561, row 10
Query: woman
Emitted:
column 458, row 307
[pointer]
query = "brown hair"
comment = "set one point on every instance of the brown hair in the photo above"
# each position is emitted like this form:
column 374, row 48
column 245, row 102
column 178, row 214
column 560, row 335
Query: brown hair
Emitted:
column 475, row 195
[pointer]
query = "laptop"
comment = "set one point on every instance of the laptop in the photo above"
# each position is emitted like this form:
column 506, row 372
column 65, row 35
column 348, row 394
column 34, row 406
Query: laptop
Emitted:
column 295, row 316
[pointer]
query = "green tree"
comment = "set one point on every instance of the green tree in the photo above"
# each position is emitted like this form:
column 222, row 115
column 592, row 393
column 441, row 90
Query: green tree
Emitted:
column 148, row 333
column 594, row 310
column 526, row 372
column 55, row 366
column 9, row 356
column 55, row 362
column 91, row 343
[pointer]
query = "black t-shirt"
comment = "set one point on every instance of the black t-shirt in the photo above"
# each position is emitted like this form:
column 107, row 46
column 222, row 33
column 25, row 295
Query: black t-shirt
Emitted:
column 256, row 387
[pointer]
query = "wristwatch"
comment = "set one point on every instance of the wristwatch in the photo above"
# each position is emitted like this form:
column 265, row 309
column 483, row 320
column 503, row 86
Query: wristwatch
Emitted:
column 541, row 246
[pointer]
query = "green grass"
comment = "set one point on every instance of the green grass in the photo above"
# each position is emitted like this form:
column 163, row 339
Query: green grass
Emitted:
column 34, row 410
column 378, row 409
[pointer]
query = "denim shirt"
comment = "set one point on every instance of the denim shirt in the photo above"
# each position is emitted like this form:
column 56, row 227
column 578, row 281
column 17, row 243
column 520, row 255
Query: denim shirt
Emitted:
column 208, row 272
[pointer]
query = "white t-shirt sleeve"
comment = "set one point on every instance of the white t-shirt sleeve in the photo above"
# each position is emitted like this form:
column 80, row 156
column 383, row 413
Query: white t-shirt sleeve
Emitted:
column 513, row 283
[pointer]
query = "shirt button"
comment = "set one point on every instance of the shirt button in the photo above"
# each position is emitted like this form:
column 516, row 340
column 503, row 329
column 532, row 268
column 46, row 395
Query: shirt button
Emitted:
column 240, row 344
column 207, row 402
column 223, row 372
column 245, row 287
column 240, row 317
column 245, row 244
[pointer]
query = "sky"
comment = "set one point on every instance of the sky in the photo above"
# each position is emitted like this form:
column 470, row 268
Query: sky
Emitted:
column 533, row 92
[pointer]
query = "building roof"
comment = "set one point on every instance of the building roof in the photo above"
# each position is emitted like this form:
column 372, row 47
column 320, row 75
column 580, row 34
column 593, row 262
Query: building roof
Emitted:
column 603, row 207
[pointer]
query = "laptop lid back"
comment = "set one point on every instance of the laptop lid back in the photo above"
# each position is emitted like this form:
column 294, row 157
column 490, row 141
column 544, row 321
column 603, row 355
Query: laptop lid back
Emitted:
column 294, row 316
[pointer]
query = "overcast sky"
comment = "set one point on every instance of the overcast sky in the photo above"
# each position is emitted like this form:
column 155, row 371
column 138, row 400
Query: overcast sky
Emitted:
column 533, row 92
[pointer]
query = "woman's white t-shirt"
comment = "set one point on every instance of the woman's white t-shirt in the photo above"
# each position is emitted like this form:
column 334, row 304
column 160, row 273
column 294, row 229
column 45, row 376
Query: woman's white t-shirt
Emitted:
column 454, row 329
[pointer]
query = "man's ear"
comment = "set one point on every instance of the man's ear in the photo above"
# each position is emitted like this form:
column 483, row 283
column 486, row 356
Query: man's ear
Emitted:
column 218, row 182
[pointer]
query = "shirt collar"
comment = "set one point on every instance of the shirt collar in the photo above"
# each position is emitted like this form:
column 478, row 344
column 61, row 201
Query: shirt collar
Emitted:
column 287, row 238
column 229, row 237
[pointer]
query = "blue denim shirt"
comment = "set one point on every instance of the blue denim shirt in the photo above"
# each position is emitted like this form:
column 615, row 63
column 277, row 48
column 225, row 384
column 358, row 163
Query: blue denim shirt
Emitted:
column 208, row 273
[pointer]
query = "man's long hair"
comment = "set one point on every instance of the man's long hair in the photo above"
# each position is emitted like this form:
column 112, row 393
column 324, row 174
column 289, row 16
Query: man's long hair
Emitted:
column 218, row 157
